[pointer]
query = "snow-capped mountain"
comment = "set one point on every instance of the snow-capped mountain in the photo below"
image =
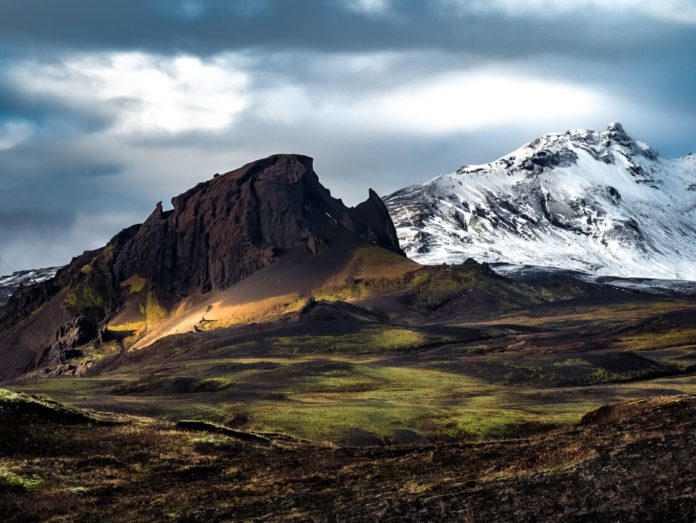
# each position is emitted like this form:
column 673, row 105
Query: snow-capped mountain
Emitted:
column 598, row 202
column 8, row 284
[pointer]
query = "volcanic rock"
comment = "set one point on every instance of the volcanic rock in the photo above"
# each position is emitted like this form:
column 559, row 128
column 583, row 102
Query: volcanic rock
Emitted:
column 217, row 234
column 223, row 230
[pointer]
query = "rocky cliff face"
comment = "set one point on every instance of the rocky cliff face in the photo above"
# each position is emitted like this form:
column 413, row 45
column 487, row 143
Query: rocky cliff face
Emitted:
column 222, row 230
column 217, row 233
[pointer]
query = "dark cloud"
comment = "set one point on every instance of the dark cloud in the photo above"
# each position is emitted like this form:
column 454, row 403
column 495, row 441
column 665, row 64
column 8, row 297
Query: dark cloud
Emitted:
column 37, row 222
column 80, row 173
column 212, row 26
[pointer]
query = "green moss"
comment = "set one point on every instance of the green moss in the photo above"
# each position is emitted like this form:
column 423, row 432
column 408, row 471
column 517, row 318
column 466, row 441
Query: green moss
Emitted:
column 322, row 421
column 13, row 479
column 10, row 397
column 151, row 310
column 135, row 284
column 529, row 370
column 481, row 424
column 380, row 400
column 85, row 300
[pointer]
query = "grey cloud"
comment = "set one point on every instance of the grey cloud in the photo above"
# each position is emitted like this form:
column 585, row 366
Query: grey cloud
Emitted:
column 323, row 26
column 71, row 186
column 41, row 223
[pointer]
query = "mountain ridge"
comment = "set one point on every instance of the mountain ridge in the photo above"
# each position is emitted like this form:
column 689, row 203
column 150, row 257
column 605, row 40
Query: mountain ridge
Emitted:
column 11, row 282
column 598, row 202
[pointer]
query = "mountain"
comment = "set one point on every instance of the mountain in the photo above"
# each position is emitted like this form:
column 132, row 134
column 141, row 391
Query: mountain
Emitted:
column 170, row 272
column 225, row 229
column 599, row 202
column 260, row 246
column 260, row 328
column 9, row 284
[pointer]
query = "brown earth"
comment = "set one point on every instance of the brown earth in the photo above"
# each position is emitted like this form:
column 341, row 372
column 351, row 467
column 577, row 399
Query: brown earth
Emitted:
column 627, row 462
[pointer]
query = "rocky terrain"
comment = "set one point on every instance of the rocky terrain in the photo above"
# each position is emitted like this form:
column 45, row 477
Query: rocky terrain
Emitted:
column 624, row 462
column 598, row 202
column 274, row 355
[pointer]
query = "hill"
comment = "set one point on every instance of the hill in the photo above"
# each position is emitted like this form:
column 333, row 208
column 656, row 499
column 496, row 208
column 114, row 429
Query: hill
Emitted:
column 154, row 278
column 638, row 455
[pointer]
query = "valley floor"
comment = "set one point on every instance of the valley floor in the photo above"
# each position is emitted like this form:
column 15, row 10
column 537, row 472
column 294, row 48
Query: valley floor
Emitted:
column 356, row 382
column 629, row 462
column 486, row 418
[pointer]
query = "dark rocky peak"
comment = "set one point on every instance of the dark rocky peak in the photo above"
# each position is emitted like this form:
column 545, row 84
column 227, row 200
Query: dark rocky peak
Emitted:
column 224, row 229
column 217, row 233
column 373, row 217
column 617, row 129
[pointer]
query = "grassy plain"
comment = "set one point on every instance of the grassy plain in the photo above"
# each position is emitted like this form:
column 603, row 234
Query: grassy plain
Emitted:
column 357, row 382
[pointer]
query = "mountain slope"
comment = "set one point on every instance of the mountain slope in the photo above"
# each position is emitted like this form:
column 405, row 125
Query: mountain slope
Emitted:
column 599, row 202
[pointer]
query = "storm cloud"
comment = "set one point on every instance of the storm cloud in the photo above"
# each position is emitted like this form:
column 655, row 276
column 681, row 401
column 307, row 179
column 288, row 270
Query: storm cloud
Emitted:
column 109, row 107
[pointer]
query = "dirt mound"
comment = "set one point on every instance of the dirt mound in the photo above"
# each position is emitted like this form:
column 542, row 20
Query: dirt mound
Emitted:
column 336, row 310
column 21, row 408
column 665, row 407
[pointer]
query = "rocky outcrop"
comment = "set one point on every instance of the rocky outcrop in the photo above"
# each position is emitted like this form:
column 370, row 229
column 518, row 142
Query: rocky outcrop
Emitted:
column 336, row 311
column 10, row 284
column 373, row 218
column 223, row 230
column 68, row 345
column 216, row 234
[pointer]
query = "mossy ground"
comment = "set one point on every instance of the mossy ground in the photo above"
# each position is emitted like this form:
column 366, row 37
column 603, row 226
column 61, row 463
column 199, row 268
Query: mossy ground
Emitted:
column 11, row 478
column 151, row 470
column 520, row 372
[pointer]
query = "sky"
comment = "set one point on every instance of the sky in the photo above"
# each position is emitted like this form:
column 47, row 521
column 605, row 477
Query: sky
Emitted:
column 108, row 107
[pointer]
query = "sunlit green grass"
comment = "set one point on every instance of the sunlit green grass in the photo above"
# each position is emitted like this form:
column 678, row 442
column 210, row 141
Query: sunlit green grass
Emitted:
column 324, row 406
column 14, row 479
column 380, row 379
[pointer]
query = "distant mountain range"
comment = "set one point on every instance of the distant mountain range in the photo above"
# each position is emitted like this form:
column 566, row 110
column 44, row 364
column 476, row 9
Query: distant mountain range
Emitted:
column 598, row 202
column 9, row 284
